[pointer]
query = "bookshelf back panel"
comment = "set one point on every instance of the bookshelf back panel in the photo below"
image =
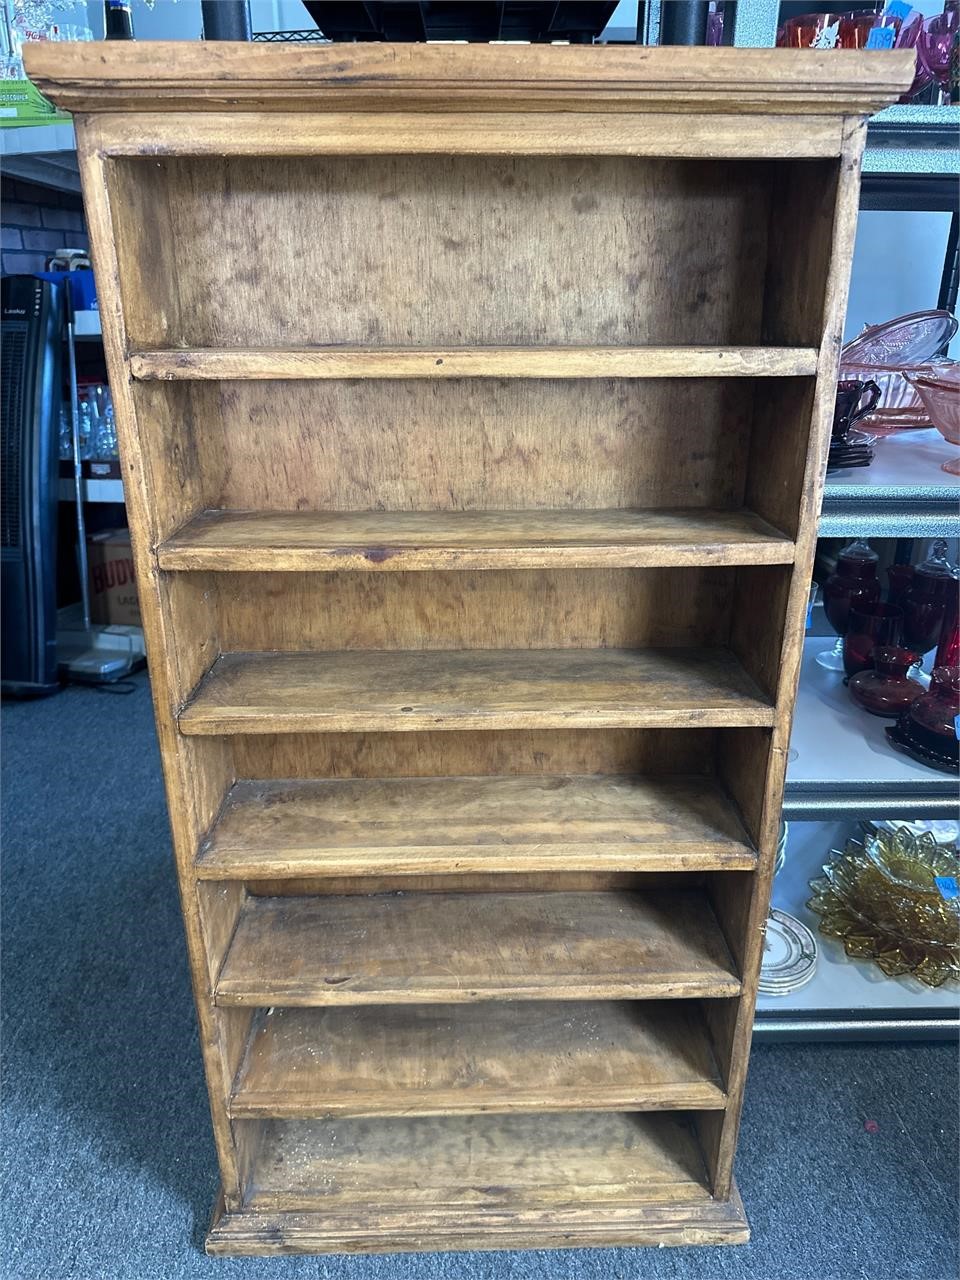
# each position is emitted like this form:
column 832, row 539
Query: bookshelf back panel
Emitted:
column 434, row 250
column 460, row 445
column 455, row 754
column 494, row 609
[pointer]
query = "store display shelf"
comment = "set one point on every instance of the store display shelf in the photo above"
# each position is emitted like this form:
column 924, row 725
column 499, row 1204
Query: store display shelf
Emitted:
column 841, row 764
column 904, row 493
column 846, row 999
column 914, row 139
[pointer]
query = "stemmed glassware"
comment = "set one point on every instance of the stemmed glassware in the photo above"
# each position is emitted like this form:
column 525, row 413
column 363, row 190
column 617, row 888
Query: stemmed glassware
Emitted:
column 853, row 582
column 926, row 601
column 935, row 42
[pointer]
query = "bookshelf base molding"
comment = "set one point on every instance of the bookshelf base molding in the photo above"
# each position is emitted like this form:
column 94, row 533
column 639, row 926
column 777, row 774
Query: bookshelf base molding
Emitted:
column 710, row 1222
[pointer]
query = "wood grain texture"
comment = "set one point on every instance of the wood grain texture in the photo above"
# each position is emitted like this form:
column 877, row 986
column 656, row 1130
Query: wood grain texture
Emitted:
column 456, row 948
column 503, row 362
column 377, row 541
column 747, row 908
column 470, row 882
column 473, row 689
column 522, row 753
column 590, row 294
column 470, row 444
column 428, row 1060
column 481, row 824
column 478, row 77
column 524, row 1161
column 470, row 609
column 196, row 776
column 472, row 1226
column 507, row 133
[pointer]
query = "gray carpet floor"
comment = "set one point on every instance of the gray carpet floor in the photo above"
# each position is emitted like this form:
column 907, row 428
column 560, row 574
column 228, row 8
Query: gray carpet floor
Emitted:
column 107, row 1168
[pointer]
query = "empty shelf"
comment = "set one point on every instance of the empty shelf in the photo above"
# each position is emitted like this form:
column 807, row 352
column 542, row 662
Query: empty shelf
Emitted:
column 416, row 826
column 470, row 1182
column 464, row 947
column 454, row 1059
column 408, row 540
column 374, row 690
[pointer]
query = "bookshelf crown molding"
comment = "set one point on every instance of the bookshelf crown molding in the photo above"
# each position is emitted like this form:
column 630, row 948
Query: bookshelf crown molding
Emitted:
column 220, row 76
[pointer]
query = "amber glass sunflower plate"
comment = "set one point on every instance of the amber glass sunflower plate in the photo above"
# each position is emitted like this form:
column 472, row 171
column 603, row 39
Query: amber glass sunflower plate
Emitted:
column 890, row 900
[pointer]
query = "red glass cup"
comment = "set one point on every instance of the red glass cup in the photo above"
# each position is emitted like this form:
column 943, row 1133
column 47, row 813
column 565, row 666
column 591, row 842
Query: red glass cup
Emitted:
column 855, row 400
column 807, row 30
column 869, row 627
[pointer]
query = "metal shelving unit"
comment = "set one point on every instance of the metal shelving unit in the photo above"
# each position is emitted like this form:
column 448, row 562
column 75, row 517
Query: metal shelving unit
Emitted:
column 846, row 999
column 841, row 765
column 923, row 141
column 904, row 493
column 844, row 768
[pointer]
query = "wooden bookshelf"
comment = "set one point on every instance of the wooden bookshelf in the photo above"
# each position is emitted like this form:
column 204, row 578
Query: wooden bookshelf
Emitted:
column 473, row 426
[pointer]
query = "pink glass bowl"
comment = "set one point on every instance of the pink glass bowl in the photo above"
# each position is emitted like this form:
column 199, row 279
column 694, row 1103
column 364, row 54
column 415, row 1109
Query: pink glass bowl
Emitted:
column 884, row 351
column 940, row 393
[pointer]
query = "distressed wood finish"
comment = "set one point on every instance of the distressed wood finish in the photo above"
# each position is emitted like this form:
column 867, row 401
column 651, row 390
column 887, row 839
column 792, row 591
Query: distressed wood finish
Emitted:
column 449, row 133
column 463, row 947
column 291, row 541
column 384, row 690
column 417, row 826
column 492, row 1057
column 473, row 542
column 476, row 77
column 505, row 362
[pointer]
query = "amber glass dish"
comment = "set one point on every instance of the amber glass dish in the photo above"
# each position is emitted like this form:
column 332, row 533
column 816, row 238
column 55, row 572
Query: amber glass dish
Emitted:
column 883, row 901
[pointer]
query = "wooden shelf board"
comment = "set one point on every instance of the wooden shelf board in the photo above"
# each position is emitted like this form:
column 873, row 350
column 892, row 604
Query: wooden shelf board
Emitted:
column 458, row 948
column 299, row 541
column 431, row 1060
column 381, row 691
column 423, row 826
column 179, row 364
column 517, row 1161
column 368, row 1185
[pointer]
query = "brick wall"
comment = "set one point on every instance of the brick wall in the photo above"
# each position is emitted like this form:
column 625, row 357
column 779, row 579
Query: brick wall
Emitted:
column 36, row 221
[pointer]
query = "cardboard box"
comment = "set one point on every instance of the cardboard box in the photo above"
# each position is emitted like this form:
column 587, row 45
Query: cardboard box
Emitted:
column 113, row 588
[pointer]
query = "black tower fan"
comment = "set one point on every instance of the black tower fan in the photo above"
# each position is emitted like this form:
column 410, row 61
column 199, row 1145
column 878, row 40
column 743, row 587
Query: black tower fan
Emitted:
column 31, row 315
